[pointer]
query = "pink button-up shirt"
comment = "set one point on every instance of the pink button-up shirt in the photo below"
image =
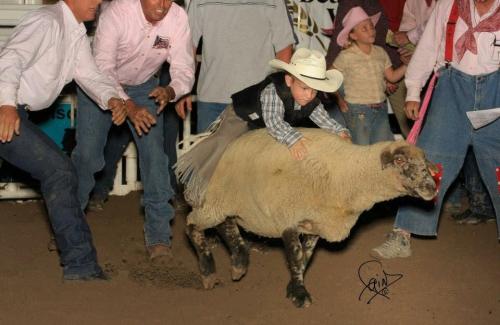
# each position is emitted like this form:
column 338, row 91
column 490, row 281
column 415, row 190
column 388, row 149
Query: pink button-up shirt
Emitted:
column 429, row 54
column 131, row 50
column 415, row 16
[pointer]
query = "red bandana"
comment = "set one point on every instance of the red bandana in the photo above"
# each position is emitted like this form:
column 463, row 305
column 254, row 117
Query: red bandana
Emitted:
column 467, row 42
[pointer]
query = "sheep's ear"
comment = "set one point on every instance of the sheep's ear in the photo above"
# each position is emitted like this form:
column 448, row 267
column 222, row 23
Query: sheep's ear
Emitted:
column 386, row 158
column 396, row 158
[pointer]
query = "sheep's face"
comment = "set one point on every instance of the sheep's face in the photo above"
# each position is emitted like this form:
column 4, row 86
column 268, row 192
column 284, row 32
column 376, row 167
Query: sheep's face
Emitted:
column 414, row 169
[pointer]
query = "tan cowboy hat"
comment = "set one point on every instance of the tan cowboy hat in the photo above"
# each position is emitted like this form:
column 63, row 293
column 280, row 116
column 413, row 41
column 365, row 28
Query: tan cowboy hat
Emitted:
column 309, row 66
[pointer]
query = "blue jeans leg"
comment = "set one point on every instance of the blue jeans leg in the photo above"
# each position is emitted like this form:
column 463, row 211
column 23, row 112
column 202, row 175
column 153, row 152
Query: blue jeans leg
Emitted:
column 207, row 113
column 368, row 125
column 153, row 163
column 171, row 129
column 92, row 128
column 487, row 152
column 118, row 139
column 334, row 111
column 479, row 200
column 35, row 153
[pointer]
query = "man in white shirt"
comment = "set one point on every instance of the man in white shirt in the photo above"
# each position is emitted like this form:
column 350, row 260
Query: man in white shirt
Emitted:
column 415, row 16
column 48, row 49
column 468, row 81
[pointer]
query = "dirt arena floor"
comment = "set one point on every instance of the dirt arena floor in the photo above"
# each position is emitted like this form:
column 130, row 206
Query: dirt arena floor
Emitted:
column 454, row 279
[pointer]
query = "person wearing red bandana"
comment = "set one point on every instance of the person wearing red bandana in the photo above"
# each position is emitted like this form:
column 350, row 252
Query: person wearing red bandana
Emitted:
column 467, row 62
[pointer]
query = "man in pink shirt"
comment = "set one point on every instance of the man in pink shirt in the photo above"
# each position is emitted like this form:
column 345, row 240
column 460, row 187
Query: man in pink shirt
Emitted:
column 132, row 41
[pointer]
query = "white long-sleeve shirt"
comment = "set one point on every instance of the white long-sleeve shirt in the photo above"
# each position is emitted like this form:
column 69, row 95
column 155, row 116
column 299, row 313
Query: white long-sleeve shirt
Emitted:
column 429, row 54
column 47, row 50
column 415, row 16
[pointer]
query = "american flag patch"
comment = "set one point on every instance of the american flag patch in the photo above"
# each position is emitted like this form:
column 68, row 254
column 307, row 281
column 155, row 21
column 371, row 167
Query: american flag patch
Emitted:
column 161, row 42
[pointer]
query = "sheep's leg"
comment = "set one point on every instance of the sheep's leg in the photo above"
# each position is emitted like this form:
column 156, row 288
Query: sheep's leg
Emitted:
column 205, row 258
column 308, row 245
column 230, row 233
column 295, row 290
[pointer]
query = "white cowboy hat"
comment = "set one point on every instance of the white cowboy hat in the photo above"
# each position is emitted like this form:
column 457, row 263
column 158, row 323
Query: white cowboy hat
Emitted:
column 309, row 66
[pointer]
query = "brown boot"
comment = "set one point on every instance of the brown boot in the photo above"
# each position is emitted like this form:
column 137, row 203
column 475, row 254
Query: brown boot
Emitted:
column 159, row 250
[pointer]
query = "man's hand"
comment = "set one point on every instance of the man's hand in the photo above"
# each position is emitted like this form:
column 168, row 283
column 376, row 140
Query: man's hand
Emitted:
column 162, row 96
column 390, row 87
column 405, row 55
column 9, row 123
column 411, row 109
column 184, row 103
column 118, row 111
column 140, row 117
column 299, row 150
column 401, row 38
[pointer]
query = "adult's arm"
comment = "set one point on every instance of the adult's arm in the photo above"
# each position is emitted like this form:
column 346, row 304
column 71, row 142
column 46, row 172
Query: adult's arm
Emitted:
column 93, row 82
column 106, row 44
column 426, row 54
column 181, row 58
column 282, row 35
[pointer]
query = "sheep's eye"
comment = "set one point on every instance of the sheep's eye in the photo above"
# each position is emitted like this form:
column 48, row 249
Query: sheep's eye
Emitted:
column 399, row 160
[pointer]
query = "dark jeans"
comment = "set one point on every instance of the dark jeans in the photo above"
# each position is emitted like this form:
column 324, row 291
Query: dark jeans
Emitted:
column 35, row 153
column 118, row 139
column 93, row 125
column 120, row 136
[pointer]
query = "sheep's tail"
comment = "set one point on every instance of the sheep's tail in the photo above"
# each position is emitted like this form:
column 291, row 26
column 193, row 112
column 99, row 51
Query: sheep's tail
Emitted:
column 195, row 168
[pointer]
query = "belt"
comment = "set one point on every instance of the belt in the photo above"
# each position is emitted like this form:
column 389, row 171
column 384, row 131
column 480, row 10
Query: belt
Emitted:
column 378, row 105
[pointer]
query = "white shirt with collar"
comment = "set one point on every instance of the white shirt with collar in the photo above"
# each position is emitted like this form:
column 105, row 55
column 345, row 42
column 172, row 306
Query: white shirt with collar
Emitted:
column 429, row 54
column 47, row 50
column 415, row 16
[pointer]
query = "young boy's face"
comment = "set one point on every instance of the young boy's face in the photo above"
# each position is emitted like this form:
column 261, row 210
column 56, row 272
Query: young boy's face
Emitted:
column 301, row 93
column 363, row 32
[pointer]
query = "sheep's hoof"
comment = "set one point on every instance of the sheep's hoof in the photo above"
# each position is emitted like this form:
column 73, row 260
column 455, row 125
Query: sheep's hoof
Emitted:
column 209, row 281
column 238, row 272
column 299, row 295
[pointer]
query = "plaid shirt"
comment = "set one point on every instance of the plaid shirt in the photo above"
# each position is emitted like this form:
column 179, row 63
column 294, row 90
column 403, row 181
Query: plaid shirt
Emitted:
column 273, row 114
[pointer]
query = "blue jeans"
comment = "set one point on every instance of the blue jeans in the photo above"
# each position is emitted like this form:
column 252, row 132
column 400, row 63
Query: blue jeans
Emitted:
column 207, row 113
column 35, row 153
column 367, row 124
column 479, row 201
column 118, row 139
column 446, row 137
column 170, row 130
column 92, row 129
column 120, row 136
column 334, row 112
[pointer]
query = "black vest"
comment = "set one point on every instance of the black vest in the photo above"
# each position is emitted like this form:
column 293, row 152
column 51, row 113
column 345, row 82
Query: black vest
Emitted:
column 247, row 104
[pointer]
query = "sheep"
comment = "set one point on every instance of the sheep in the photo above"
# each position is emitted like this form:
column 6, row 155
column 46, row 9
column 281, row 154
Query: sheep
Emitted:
column 258, row 186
